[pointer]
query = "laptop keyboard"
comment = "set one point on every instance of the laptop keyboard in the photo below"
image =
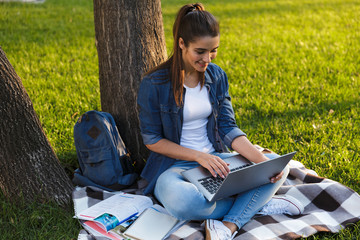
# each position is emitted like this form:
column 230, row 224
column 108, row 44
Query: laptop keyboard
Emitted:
column 212, row 184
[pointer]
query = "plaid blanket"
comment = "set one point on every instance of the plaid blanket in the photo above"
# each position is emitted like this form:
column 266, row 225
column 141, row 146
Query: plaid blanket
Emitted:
column 329, row 207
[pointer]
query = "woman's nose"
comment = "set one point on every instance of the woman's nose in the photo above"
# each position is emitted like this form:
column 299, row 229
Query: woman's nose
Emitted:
column 207, row 58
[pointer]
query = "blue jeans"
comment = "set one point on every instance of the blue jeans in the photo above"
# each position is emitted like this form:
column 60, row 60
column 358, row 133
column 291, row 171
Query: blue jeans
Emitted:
column 184, row 201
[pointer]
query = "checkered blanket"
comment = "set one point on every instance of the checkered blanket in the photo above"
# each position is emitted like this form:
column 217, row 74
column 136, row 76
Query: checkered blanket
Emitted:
column 329, row 207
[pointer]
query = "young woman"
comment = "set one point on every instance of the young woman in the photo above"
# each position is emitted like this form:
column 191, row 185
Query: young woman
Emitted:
column 187, row 120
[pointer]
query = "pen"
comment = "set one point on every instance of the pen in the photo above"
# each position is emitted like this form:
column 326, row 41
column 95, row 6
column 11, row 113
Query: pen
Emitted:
column 128, row 217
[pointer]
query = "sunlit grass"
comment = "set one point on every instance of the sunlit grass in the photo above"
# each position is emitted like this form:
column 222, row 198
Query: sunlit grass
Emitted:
column 293, row 68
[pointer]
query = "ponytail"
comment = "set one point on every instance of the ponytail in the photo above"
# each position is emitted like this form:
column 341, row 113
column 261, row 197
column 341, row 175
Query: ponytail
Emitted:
column 192, row 21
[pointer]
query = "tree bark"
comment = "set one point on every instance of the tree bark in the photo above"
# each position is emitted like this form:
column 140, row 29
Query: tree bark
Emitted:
column 29, row 167
column 129, row 40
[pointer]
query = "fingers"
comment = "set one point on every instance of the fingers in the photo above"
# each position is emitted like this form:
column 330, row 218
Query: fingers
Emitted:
column 214, row 164
column 277, row 177
column 218, row 166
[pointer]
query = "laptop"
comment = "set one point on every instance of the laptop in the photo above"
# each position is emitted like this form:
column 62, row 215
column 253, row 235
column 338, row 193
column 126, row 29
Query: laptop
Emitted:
column 244, row 175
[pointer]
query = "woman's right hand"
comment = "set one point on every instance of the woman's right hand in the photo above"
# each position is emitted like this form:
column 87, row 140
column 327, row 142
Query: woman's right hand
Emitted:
column 213, row 163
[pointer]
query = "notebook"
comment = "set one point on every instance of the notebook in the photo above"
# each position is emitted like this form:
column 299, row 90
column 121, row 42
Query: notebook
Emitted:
column 152, row 225
column 244, row 175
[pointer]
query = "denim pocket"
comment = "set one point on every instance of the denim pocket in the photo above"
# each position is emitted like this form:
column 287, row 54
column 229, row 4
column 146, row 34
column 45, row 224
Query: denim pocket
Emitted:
column 169, row 114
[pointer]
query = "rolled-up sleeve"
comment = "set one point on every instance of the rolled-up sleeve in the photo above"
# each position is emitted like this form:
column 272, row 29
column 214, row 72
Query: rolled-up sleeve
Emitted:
column 228, row 129
column 149, row 112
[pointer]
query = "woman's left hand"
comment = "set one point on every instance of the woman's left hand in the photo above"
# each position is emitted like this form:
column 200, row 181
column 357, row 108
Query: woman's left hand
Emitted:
column 277, row 177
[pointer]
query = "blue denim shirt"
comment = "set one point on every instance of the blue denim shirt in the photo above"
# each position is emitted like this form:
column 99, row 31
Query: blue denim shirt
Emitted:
column 160, row 117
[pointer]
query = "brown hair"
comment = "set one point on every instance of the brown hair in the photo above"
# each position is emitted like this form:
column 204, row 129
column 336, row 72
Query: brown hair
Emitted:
column 192, row 21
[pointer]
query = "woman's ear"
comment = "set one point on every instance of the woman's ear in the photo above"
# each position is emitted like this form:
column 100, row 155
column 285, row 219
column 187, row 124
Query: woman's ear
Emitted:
column 181, row 43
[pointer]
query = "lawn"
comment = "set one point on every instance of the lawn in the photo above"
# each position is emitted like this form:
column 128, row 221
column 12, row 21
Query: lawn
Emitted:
column 293, row 67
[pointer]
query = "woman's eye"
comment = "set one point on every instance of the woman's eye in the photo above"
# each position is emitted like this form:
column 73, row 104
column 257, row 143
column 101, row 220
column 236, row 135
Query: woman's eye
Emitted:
column 199, row 52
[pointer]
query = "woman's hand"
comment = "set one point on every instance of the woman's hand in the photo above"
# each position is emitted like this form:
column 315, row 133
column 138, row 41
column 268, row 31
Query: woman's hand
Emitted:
column 243, row 146
column 277, row 177
column 213, row 163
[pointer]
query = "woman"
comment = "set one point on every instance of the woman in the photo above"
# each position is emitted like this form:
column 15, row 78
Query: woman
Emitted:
column 187, row 120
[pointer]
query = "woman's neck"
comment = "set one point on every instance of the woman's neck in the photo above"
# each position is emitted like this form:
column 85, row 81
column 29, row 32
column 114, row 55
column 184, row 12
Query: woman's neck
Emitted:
column 191, row 79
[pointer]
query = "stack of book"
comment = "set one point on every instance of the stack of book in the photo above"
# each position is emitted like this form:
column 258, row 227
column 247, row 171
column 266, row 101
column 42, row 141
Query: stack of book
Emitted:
column 128, row 216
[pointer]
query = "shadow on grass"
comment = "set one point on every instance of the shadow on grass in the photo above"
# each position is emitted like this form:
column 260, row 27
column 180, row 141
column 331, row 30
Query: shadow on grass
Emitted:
column 69, row 161
column 307, row 111
column 36, row 220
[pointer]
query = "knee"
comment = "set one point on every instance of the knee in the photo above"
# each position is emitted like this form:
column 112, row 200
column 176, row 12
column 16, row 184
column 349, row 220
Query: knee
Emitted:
column 180, row 204
column 166, row 181
column 180, row 207
column 271, row 155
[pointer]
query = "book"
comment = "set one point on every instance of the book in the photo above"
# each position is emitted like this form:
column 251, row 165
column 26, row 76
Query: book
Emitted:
column 99, row 232
column 128, row 216
column 115, row 210
column 119, row 229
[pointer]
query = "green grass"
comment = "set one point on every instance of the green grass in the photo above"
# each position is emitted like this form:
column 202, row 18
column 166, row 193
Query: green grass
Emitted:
column 52, row 48
column 293, row 67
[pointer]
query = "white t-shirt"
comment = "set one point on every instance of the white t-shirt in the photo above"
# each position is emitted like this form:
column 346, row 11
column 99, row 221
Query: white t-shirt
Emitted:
column 197, row 109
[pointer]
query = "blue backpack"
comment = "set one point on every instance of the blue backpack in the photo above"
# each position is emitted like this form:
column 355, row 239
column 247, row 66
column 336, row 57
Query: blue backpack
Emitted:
column 103, row 159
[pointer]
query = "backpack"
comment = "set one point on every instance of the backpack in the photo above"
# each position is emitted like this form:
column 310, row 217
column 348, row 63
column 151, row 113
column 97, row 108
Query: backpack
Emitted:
column 103, row 159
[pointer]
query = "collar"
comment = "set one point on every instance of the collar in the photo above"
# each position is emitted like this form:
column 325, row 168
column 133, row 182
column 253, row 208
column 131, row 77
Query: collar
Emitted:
column 208, row 79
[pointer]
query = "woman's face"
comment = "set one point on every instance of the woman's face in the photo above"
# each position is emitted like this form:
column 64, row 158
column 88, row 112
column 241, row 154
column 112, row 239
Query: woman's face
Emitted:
column 198, row 54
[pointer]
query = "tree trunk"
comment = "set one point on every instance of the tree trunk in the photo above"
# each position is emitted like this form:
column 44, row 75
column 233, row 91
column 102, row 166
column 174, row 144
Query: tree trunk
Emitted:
column 129, row 40
column 29, row 167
